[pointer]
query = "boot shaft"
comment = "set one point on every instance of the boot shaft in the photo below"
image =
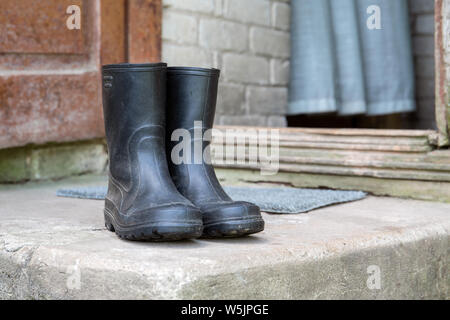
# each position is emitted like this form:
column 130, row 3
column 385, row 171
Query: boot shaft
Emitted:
column 191, row 96
column 134, row 97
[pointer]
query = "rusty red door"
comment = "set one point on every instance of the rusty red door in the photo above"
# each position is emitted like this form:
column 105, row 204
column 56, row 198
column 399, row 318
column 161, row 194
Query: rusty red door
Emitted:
column 50, row 73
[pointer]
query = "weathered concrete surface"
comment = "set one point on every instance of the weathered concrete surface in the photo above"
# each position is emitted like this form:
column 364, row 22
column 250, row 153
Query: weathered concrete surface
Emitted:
column 52, row 161
column 58, row 248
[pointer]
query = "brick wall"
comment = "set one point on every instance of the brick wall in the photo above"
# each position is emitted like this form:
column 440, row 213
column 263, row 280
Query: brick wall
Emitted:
column 248, row 40
column 422, row 22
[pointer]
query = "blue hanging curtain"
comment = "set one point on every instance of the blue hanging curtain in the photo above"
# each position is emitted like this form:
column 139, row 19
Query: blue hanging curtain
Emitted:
column 339, row 64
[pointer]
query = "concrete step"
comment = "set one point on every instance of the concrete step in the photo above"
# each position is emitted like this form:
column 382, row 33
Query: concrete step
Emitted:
column 376, row 248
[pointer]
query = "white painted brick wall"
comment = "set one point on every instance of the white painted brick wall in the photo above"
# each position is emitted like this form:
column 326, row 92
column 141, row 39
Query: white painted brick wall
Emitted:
column 279, row 72
column 269, row 42
column 277, row 121
column 281, row 15
column 182, row 55
column 266, row 100
column 248, row 11
column 203, row 6
column 179, row 28
column 245, row 68
column 230, row 99
column 248, row 40
column 215, row 34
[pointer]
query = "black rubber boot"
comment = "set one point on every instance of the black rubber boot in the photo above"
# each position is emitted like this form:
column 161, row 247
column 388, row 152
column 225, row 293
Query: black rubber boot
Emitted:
column 142, row 202
column 191, row 96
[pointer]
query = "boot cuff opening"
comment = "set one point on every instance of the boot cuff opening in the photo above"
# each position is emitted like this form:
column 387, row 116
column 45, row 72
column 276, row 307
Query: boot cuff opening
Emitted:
column 207, row 72
column 134, row 66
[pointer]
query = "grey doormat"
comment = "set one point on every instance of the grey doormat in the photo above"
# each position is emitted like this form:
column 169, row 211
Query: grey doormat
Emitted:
column 273, row 200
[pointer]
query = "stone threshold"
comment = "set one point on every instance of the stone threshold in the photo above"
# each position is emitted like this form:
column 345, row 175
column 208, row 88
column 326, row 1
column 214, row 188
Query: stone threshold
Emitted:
column 376, row 248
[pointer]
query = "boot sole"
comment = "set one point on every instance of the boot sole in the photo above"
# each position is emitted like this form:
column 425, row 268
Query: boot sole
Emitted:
column 233, row 228
column 155, row 231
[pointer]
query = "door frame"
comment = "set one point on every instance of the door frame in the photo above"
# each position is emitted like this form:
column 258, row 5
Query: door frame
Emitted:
column 442, row 74
column 137, row 24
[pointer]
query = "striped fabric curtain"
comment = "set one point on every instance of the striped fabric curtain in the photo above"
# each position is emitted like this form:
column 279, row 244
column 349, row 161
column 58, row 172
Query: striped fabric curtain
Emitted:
column 351, row 57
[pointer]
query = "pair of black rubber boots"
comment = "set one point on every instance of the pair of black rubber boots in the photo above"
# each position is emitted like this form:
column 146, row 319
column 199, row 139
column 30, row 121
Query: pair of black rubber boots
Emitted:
column 151, row 197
